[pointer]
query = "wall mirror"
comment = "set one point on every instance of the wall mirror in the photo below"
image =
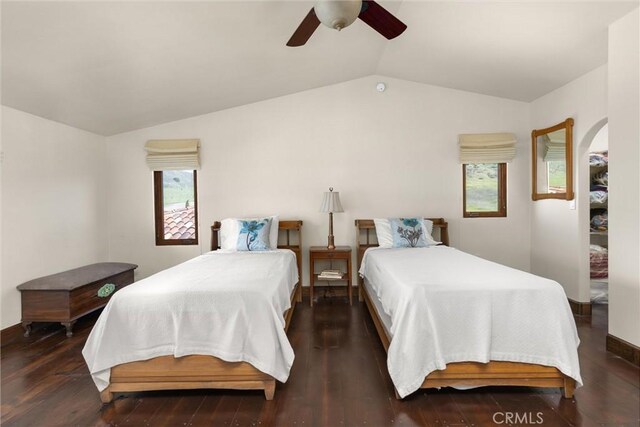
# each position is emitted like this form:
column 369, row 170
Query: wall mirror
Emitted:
column 552, row 156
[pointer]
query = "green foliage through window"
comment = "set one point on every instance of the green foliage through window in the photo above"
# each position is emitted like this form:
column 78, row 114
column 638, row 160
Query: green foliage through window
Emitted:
column 557, row 176
column 482, row 187
column 483, row 191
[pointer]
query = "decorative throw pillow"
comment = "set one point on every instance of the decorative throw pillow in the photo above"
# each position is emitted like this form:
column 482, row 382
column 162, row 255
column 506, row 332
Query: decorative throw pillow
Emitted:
column 253, row 234
column 230, row 229
column 408, row 232
column 385, row 237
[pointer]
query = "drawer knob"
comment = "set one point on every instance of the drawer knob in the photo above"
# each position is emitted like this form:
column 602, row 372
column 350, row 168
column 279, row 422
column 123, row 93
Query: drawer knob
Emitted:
column 106, row 290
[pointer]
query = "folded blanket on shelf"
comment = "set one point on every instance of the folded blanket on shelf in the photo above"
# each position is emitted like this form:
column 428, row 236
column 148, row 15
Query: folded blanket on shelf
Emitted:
column 599, row 262
column 601, row 178
column 598, row 196
column 599, row 158
column 599, row 220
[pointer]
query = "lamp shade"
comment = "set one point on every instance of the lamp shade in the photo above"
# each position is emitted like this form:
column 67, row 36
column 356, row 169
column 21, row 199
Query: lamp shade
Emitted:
column 331, row 202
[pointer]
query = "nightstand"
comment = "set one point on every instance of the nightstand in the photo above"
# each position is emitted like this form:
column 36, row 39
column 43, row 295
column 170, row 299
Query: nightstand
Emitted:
column 321, row 253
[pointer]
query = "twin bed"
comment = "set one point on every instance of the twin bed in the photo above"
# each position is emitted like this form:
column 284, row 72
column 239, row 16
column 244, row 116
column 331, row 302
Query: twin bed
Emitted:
column 449, row 319
column 216, row 321
column 446, row 318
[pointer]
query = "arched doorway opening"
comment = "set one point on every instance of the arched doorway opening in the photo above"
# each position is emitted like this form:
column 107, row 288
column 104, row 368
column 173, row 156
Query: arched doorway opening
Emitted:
column 593, row 223
column 599, row 217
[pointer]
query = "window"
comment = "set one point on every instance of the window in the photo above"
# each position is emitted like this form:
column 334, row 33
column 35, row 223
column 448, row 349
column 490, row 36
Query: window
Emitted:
column 176, row 213
column 484, row 191
column 556, row 176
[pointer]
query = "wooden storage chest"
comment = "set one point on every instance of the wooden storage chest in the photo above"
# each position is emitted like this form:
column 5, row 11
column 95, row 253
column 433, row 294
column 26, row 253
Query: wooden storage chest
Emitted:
column 66, row 296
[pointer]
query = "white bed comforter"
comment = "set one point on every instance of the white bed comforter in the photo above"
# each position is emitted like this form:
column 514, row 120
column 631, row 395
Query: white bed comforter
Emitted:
column 225, row 304
column 448, row 306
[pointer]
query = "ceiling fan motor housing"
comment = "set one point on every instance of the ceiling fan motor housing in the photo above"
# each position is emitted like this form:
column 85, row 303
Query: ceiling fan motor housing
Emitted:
column 337, row 14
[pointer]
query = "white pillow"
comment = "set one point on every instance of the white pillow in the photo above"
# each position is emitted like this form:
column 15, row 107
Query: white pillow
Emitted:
column 385, row 239
column 383, row 232
column 274, row 232
column 229, row 232
column 428, row 228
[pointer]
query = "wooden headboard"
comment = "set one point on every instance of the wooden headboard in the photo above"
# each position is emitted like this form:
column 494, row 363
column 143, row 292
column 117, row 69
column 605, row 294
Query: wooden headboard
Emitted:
column 287, row 226
column 366, row 226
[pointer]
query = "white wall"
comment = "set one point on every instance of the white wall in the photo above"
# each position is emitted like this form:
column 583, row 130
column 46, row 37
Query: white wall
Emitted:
column 389, row 154
column 601, row 141
column 624, row 178
column 53, row 210
column 559, row 235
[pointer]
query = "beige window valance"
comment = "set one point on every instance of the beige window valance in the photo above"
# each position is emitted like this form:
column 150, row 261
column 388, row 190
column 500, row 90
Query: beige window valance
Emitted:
column 487, row 147
column 554, row 151
column 173, row 154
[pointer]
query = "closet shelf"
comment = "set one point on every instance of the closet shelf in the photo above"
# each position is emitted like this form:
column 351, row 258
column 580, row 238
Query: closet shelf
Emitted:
column 598, row 168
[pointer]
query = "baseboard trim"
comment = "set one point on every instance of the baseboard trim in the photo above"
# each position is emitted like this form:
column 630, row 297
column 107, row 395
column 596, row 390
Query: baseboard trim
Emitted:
column 580, row 308
column 11, row 333
column 624, row 349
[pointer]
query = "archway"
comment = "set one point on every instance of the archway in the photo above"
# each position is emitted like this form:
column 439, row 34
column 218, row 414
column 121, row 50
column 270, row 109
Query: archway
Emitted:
column 596, row 137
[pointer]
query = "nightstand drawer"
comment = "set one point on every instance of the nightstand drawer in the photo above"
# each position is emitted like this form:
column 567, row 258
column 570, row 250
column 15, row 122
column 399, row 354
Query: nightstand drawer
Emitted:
column 333, row 255
column 321, row 252
column 338, row 255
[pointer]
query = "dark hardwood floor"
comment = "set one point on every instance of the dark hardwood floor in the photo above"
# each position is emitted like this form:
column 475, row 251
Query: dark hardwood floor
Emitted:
column 339, row 378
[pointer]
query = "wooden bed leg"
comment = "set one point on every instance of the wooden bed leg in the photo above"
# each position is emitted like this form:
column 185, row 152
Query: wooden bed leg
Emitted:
column 360, row 297
column 106, row 396
column 569, row 388
column 269, row 389
column 396, row 393
column 299, row 294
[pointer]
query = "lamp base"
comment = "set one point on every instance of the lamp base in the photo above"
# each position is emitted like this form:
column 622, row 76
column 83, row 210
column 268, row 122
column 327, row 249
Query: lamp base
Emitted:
column 331, row 246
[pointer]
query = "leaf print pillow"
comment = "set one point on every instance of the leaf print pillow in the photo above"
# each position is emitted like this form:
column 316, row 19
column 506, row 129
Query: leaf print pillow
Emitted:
column 253, row 235
column 408, row 233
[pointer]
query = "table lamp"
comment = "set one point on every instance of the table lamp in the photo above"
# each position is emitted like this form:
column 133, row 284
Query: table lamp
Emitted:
column 331, row 204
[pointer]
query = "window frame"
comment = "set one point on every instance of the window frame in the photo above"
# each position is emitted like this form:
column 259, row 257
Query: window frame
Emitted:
column 158, row 206
column 502, row 195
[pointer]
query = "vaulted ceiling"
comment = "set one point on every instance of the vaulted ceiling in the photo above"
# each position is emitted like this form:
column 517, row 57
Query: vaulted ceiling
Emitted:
column 110, row 67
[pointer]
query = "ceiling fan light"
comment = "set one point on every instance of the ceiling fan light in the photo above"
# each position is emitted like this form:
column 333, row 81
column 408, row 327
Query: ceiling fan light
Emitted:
column 337, row 14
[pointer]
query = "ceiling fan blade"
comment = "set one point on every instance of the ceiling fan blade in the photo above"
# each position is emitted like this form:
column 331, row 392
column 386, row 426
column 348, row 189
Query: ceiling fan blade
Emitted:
column 379, row 18
column 304, row 30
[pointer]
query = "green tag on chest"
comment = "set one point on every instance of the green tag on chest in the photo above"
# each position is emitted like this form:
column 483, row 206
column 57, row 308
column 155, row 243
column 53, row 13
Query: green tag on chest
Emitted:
column 106, row 290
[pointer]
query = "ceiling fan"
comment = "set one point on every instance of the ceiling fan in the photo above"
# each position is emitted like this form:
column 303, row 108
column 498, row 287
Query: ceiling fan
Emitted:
column 339, row 14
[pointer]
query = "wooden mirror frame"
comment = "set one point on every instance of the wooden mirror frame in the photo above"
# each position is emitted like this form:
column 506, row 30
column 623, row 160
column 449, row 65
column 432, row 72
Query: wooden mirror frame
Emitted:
column 568, row 194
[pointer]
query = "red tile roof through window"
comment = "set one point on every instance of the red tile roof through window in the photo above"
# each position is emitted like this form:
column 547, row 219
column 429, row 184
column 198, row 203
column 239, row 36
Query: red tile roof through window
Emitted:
column 180, row 224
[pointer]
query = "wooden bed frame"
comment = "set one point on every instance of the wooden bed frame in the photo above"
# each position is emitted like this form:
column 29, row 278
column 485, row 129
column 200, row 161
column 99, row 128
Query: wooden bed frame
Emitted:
column 475, row 374
column 203, row 371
